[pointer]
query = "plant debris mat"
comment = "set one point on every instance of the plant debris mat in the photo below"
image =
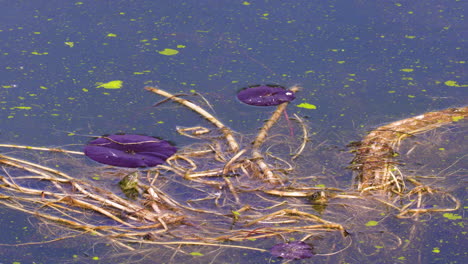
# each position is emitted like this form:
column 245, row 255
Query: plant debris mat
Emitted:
column 227, row 190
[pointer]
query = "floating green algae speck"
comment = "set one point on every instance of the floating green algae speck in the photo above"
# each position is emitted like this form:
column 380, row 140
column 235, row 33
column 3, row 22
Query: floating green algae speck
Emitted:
column 452, row 216
column 307, row 106
column 70, row 44
column 196, row 254
column 117, row 84
column 454, row 84
column 39, row 53
column 142, row 72
column 112, row 35
column 169, row 52
column 22, row 107
column 407, row 70
column 372, row 223
column 436, row 250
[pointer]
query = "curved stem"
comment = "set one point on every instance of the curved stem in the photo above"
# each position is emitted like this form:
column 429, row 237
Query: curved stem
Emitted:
column 261, row 137
column 224, row 129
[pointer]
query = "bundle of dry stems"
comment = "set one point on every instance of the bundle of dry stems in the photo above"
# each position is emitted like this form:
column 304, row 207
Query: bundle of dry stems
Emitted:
column 221, row 169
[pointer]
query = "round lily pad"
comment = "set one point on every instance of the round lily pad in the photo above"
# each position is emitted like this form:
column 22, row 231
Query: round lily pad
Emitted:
column 129, row 151
column 265, row 95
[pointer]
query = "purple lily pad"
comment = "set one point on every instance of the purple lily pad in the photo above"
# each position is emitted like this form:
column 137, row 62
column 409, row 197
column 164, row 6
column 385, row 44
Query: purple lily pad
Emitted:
column 292, row 250
column 265, row 95
column 129, row 151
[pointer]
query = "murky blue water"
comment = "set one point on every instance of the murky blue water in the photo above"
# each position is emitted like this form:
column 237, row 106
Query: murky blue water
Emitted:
column 362, row 63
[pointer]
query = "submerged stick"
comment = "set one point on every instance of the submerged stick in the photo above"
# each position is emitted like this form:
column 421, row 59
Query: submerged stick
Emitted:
column 305, row 138
column 41, row 148
column 261, row 137
column 224, row 129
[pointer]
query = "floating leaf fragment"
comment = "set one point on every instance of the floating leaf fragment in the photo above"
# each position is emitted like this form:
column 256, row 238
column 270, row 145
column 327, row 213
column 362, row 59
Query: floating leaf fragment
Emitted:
column 168, row 52
column 307, row 106
column 39, row 53
column 452, row 216
column 407, row 70
column 454, row 84
column 372, row 223
column 21, row 107
column 117, row 84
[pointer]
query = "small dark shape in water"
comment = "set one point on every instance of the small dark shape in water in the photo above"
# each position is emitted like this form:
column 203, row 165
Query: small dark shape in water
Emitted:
column 129, row 151
column 292, row 250
column 265, row 95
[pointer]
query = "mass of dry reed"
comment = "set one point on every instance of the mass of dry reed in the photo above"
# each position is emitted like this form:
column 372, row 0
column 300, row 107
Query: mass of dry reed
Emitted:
column 235, row 194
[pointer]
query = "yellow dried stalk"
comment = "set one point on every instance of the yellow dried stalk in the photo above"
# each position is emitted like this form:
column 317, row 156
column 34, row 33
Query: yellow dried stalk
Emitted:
column 305, row 138
column 224, row 129
column 42, row 148
column 267, row 174
column 89, row 197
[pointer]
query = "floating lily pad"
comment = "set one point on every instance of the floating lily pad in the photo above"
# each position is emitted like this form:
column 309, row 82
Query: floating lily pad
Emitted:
column 130, row 151
column 265, row 95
